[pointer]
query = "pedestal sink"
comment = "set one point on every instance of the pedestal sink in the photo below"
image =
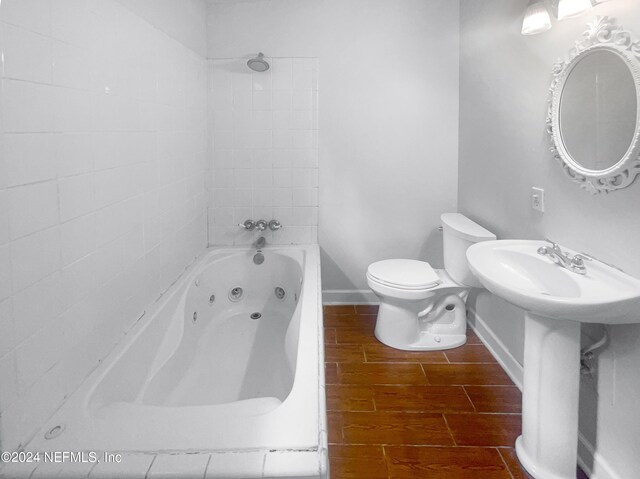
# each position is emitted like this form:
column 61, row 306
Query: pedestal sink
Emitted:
column 556, row 301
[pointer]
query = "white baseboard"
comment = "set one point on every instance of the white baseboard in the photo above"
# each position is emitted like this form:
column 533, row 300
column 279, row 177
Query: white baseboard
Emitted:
column 601, row 468
column 499, row 351
column 348, row 296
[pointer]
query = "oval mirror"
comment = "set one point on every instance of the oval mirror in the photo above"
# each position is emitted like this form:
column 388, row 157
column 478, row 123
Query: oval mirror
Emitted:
column 598, row 110
column 595, row 109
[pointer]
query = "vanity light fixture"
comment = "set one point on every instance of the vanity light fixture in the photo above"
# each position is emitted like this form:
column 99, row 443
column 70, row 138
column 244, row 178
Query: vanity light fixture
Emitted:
column 536, row 18
column 571, row 8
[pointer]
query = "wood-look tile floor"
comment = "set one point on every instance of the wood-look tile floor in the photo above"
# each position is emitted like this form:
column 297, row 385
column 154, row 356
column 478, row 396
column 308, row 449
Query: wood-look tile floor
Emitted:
column 394, row 414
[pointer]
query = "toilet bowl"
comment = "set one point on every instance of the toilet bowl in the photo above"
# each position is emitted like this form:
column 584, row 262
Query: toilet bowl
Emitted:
column 422, row 308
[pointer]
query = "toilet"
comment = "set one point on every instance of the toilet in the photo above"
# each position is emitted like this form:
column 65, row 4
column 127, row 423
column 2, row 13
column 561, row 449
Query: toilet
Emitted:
column 421, row 308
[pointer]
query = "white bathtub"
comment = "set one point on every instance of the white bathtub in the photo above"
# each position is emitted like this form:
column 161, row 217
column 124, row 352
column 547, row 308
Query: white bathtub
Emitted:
column 198, row 375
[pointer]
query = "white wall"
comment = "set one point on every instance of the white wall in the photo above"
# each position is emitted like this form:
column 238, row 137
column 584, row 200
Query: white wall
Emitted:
column 504, row 151
column 264, row 127
column 182, row 20
column 388, row 118
column 102, row 199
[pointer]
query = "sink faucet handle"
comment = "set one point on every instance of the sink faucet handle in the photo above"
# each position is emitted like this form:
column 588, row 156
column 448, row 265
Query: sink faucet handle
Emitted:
column 553, row 243
column 579, row 258
column 577, row 263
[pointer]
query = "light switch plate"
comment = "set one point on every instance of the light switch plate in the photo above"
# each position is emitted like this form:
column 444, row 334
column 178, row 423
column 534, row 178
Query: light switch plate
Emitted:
column 537, row 199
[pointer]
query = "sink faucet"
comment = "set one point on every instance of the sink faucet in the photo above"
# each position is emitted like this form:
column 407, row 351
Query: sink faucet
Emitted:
column 573, row 263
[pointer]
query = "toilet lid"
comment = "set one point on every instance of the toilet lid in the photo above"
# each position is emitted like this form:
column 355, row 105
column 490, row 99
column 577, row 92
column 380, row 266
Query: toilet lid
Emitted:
column 404, row 273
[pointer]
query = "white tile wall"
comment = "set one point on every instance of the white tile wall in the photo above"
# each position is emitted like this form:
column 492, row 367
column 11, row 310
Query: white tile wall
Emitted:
column 32, row 208
column 27, row 158
column 265, row 151
column 102, row 186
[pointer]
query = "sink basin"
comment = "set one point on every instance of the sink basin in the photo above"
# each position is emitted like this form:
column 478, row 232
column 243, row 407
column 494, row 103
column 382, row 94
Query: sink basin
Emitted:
column 513, row 270
column 556, row 301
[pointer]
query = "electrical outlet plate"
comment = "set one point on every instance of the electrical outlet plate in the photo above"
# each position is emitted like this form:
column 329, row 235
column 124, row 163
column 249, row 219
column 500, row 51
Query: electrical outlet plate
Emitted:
column 537, row 199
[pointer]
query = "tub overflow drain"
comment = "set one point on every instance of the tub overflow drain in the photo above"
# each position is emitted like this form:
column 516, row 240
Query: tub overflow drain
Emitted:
column 280, row 293
column 256, row 315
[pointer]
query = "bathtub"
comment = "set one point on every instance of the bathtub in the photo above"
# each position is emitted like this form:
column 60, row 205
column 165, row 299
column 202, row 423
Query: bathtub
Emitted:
column 228, row 360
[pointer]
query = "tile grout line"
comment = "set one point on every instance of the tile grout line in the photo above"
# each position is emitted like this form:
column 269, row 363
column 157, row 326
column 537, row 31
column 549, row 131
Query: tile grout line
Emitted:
column 384, row 457
column 373, row 395
column 364, row 353
column 426, row 378
column 464, row 388
column 444, row 417
column 505, row 462
column 206, row 468
column 146, row 475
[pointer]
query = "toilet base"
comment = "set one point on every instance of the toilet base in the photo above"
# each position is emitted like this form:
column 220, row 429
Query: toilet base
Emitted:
column 444, row 326
column 430, row 342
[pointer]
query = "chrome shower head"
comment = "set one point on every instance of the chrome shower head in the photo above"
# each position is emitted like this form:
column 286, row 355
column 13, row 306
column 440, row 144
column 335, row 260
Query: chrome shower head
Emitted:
column 258, row 64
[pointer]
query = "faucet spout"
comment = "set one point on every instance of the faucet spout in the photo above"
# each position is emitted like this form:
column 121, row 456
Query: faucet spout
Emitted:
column 260, row 242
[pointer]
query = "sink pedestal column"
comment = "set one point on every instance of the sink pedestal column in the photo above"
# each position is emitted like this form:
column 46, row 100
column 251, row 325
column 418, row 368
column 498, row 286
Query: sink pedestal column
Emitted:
column 549, row 442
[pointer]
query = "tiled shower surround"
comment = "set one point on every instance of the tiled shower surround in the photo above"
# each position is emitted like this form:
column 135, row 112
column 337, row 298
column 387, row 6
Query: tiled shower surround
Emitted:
column 102, row 187
column 265, row 149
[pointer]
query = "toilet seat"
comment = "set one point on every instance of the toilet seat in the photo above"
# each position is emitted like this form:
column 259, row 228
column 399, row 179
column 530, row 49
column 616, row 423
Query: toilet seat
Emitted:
column 405, row 274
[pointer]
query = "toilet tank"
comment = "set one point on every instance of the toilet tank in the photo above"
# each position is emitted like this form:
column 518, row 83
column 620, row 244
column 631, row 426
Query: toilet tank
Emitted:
column 459, row 232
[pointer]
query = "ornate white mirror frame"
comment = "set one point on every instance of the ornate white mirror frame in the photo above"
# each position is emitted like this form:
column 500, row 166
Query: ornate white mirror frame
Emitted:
column 602, row 34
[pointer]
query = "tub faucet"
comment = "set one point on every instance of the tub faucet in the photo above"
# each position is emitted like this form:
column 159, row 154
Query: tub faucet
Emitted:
column 258, row 257
column 260, row 225
column 573, row 263
column 260, row 242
